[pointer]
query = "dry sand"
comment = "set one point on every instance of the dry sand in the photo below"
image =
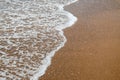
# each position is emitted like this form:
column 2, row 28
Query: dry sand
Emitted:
column 92, row 51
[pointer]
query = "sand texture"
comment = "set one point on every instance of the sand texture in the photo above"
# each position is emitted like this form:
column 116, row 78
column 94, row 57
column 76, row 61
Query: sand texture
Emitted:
column 92, row 51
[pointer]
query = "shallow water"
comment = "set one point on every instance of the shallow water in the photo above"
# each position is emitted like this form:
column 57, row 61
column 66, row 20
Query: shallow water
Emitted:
column 30, row 34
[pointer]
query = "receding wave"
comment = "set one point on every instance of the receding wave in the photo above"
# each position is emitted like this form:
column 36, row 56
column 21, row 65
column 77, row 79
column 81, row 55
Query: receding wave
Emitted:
column 30, row 34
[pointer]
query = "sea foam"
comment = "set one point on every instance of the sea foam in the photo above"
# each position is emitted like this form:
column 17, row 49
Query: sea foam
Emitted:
column 30, row 34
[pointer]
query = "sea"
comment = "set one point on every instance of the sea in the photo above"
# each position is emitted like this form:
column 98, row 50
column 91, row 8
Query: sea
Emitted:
column 31, row 31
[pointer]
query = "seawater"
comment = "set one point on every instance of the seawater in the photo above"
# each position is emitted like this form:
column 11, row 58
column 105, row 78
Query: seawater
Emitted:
column 30, row 34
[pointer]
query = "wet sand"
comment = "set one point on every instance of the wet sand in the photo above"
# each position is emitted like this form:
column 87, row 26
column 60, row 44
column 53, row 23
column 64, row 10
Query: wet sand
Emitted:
column 92, row 51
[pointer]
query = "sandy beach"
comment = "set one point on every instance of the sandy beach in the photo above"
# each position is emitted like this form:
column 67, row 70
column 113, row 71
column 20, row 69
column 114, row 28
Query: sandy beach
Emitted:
column 92, row 50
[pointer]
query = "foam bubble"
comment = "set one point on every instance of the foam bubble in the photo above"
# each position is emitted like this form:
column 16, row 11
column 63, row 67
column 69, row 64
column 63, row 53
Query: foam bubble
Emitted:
column 30, row 34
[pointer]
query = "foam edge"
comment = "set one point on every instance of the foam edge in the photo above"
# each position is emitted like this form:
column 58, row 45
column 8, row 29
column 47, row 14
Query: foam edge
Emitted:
column 47, row 60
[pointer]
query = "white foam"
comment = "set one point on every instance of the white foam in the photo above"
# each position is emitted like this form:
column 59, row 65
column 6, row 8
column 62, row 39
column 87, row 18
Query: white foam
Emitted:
column 72, row 20
column 22, row 26
column 47, row 62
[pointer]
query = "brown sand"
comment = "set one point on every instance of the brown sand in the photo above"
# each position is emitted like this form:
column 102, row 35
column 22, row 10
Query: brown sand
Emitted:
column 92, row 51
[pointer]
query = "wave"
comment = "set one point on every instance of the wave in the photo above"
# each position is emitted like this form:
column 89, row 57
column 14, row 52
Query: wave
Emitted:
column 30, row 34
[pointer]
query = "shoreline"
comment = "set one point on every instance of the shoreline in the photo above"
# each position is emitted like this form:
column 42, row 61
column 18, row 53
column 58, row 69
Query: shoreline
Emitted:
column 28, row 42
column 92, row 48
column 72, row 19
column 47, row 60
